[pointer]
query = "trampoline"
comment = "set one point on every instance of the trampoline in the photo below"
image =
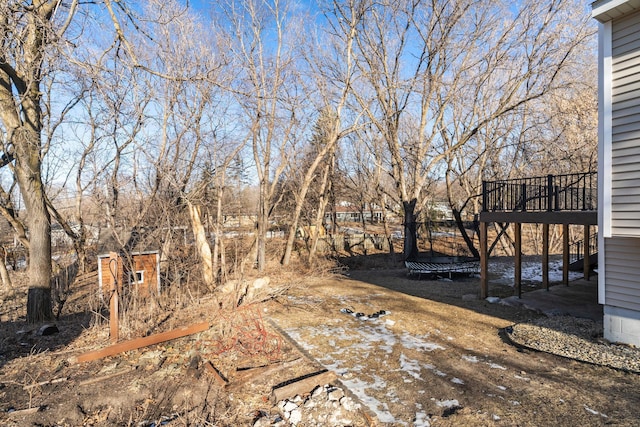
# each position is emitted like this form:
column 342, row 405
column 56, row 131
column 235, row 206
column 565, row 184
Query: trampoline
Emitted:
column 441, row 265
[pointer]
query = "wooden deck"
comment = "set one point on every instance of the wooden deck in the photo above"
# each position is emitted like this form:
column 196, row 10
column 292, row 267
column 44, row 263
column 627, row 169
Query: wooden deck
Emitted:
column 553, row 199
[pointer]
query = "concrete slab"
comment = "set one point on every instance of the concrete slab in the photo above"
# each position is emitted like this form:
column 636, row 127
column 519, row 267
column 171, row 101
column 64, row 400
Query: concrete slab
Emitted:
column 579, row 299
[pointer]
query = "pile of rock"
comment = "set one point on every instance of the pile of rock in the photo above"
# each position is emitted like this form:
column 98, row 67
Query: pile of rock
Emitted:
column 325, row 406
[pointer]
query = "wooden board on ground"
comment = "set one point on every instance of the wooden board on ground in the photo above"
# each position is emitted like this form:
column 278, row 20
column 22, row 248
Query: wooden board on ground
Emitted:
column 302, row 385
column 140, row 342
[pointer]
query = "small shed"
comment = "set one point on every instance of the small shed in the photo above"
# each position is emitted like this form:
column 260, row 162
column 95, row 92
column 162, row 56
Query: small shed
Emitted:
column 136, row 272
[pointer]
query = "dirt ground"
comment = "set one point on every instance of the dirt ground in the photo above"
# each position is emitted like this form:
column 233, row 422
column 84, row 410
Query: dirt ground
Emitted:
column 433, row 358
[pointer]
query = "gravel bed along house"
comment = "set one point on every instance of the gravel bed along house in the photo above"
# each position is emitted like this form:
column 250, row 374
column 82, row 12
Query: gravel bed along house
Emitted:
column 574, row 338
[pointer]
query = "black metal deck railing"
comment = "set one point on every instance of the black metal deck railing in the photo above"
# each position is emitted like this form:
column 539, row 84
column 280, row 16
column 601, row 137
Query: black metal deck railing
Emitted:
column 576, row 249
column 571, row 192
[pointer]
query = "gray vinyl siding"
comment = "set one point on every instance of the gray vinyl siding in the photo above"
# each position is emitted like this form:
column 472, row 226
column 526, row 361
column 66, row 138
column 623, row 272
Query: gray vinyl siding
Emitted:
column 625, row 173
column 622, row 255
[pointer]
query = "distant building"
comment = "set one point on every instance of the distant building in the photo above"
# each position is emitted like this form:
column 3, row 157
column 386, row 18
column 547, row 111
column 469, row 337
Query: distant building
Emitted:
column 346, row 212
column 440, row 211
column 60, row 238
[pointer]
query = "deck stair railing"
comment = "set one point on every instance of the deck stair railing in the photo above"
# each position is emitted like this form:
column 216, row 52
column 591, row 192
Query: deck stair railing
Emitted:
column 570, row 192
column 576, row 249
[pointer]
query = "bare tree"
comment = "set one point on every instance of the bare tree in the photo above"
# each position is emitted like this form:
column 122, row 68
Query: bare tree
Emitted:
column 333, row 74
column 267, row 91
column 28, row 30
column 438, row 73
column 35, row 36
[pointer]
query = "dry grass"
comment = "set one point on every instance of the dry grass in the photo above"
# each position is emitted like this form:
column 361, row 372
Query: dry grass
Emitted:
column 238, row 337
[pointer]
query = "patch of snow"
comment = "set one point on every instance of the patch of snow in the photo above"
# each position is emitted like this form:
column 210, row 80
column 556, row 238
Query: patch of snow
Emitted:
column 421, row 420
column 532, row 272
column 378, row 334
column 496, row 366
column 447, row 403
column 431, row 367
column 471, row 359
column 380, row 409
column 410, row 366
column 418, row 343
column 394, row 398
column 351, row 342
column 335, row 366
column 594, row 412
column 379, row 383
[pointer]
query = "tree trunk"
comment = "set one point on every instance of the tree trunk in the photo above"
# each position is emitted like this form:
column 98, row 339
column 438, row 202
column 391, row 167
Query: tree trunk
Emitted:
column 385, row 224
column 293, row 228
column 4, row 273
column 325, row 189
column 218, row 233
column 410, row 230
column 261, row 228
column 39, row 297
column 302, row 195
column 39, row 305
column 202, row 245
column 465, row 235
column 27, row 169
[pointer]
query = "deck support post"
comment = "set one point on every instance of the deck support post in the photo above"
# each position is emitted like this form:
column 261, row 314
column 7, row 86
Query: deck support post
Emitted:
column 587, row 261
column 518, row 259
column 545, row 256
column 565, row 254
column 484, row 261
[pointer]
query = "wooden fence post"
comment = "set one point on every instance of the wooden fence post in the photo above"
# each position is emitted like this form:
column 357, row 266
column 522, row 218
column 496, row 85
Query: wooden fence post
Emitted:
column 114, row 269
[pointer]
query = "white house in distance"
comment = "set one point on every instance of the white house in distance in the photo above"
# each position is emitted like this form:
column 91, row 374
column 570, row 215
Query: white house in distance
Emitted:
column 619, row 168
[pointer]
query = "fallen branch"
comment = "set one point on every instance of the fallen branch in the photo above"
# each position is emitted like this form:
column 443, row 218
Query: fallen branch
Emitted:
column 108, row 376
column 26, row 411
column 140, row 342
column 53, row 381
column 216, row 374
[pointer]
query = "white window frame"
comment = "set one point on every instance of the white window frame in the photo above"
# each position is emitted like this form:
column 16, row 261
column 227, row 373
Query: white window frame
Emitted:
column 134, row 275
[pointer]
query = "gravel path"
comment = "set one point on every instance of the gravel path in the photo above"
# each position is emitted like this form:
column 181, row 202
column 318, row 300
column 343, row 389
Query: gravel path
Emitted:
column 574, row 338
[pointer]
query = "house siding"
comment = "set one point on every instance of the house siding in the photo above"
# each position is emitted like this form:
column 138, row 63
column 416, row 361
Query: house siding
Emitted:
column 625, row 142
column 619, row 168
column 623, row 282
